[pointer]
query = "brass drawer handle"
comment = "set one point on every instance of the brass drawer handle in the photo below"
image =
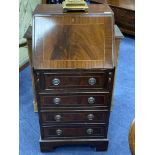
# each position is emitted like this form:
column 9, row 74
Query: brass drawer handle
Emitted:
column 55, row 81
column 91, row 100
column 59, row 132
column 90, row 117
column 110, row 73
column 89, row 131
column 58, row 118
column 109, row 80
column 92, row 81
column 38, row 80
column 56, row 100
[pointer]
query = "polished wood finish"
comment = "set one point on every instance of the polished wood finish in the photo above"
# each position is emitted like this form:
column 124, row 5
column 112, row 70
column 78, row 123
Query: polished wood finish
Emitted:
column 132, row 137
column 57, row 9
column 74, row 131
column 76, row 78
column 74, row 111
column 125, row 19
column 126, row 4
column 28, row 36
column 75, row 116
column 80, row 99
column 73, row 55
column 124, row 12
column 85, row 42
column 50, row 145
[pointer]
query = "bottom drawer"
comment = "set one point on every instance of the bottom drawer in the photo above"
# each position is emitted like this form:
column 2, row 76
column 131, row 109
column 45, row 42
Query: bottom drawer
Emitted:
column 74, row 131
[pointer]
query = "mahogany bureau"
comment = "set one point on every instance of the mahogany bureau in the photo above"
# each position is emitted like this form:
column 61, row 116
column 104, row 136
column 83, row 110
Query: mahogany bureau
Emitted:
column 73, row 60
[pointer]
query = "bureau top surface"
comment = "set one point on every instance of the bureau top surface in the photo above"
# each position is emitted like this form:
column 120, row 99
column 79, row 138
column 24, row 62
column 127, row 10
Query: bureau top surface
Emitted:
column 72, row 40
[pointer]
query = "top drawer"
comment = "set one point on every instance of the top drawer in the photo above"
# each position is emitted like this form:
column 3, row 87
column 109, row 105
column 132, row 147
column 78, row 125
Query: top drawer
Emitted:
column 50, row 81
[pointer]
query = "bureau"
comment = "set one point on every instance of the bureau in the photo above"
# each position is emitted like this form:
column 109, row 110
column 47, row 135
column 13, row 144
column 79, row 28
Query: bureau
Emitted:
column 73, row 61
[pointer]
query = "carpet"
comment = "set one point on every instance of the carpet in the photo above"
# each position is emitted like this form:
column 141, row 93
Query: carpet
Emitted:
column 120, row 119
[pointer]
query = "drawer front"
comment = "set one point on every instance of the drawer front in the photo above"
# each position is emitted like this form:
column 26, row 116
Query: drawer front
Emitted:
column 86, row 81
column 51, row 81
column 72, row 131
column 75, row 117
column 75, row 100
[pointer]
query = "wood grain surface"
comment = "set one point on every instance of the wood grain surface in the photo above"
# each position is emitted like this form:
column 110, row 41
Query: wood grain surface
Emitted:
column 74, row 132
column 78, row 40
column 124, row 11
column 100, row 116
column 47, row 101
column 48, row 9
column 73, row 54
column 126, row 4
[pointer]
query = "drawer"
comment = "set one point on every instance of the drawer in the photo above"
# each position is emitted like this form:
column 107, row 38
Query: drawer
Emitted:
column 75, row 100
column 75, row 116
column 74, row 131
column 52, row 81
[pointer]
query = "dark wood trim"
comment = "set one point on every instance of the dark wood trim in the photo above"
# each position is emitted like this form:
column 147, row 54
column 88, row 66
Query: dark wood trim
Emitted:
column 50, row 145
